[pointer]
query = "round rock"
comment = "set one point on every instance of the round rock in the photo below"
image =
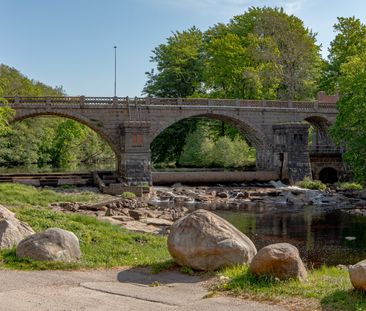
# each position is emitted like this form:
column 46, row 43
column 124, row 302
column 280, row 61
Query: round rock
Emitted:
column 54, row 244
column 357, row 274
column 204, row 241
column 280, row 260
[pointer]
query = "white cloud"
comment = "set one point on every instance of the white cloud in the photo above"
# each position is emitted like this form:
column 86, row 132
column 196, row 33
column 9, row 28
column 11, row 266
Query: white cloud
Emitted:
column 293, row 7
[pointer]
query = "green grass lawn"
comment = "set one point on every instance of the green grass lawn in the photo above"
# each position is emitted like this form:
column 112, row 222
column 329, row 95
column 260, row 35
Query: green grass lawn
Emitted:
column 328, row 288
column 102, row 245
column 17, row 195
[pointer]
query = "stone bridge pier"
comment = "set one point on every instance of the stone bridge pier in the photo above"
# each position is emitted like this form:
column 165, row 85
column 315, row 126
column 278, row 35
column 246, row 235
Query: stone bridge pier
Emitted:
column 134, row 161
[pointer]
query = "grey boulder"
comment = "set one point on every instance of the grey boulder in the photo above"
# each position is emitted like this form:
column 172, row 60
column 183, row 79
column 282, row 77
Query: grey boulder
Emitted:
column 54, row 244
column 204, row 241
column 12, row 230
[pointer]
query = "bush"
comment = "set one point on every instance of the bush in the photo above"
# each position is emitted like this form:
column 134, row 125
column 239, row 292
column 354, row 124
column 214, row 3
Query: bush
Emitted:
column 350, row 186
column 128, row 195
column 200, row 150
column 308, row 183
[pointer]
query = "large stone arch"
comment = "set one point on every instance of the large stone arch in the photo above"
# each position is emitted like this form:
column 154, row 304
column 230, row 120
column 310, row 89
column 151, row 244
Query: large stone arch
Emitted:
column 20, row 116
column 252, row 133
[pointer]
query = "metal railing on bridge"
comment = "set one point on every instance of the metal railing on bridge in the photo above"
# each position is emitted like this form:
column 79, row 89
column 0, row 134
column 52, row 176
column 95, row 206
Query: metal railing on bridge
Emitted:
column 147, row 101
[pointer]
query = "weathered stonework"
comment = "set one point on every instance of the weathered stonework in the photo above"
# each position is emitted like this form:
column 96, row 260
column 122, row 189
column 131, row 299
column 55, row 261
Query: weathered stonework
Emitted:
column 130, row 125
column 291, row 142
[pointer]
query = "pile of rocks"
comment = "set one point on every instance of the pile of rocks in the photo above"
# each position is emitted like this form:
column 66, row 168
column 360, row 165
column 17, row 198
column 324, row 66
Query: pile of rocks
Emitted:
column 131, row 214
column 54, row 244
column 226, row 197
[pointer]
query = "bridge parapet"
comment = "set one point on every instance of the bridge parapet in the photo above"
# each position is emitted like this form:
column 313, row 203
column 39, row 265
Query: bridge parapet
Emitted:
column 124, row 102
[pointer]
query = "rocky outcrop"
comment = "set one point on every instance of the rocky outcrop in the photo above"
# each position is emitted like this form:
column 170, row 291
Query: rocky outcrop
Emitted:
column 357, row 274
column 281, row 260
column 54, row 244
column 204, row 241
column 12, row 230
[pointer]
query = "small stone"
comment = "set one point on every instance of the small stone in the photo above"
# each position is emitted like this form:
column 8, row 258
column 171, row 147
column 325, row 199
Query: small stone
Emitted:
column 158, row 222
column 110, row 212
column 137, row 214
column 222, row 195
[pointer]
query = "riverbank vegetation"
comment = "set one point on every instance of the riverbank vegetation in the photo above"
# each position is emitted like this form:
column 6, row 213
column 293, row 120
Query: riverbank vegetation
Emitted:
column 46, row 141
column 308, row 183
column 327, row 288
column 102, row 245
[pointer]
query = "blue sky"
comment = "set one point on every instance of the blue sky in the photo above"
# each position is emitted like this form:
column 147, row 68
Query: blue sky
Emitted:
column 70, row 42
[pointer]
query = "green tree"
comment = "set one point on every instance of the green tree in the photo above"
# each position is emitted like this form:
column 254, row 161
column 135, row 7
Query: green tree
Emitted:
column 283, row 49
column 197, row 151
column 178, row 64
column 349, row 41
column 43, row 140
column 349, row 129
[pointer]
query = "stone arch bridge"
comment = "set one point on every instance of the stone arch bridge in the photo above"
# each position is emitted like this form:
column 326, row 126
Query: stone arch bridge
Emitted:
column 275, row 128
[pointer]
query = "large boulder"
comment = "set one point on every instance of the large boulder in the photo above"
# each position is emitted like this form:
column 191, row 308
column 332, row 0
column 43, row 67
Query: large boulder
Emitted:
column 357, row 274
column 281, row 260
column 54, row 244
column 204, row 241
column 12, row 230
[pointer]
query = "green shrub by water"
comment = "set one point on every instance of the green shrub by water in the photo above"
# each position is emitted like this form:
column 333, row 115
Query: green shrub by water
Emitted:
column 308, row 183
column 350, row 186
column 128, row 195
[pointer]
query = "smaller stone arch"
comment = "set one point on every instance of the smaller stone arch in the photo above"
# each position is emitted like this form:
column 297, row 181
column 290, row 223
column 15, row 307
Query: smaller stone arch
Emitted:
column 328, row 175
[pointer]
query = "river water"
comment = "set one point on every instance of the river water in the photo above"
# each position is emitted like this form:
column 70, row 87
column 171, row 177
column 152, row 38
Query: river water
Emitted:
column 322, row 237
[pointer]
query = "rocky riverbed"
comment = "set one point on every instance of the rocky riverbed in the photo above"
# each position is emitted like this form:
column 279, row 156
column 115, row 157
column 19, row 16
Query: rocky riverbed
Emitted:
column 167, row 204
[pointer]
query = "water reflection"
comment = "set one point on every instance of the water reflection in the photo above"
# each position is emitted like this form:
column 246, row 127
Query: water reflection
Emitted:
column 321, row 236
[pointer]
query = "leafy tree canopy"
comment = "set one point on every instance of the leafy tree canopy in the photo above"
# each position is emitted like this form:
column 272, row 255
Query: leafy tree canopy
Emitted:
column 349, row 128
column 350, row 40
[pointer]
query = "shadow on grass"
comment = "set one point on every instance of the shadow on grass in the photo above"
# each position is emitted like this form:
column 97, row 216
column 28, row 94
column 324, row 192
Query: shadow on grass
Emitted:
column 345, row 300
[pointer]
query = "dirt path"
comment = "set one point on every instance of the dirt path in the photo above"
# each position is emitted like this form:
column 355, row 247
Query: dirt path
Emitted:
column 111, row 290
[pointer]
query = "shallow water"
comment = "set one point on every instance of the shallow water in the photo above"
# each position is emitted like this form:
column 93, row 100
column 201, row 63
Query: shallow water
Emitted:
column 322, row 237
